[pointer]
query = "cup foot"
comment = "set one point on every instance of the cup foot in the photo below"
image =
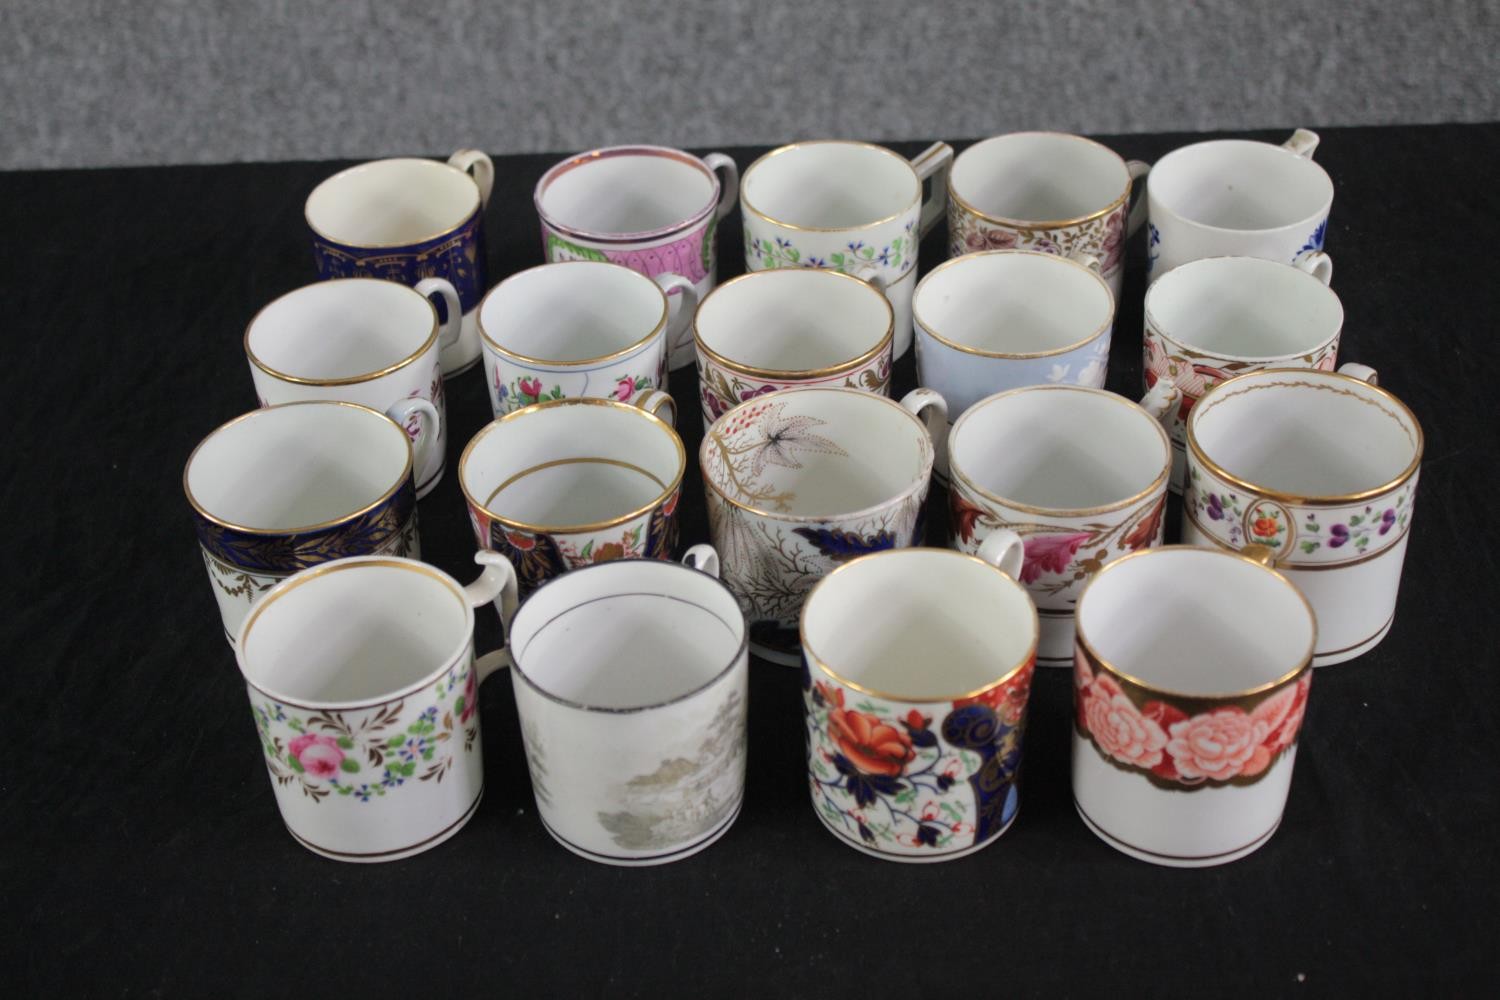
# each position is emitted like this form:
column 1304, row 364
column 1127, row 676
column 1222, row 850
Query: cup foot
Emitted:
column 646, row 861
column 1174, row 860
column 1328, row 659
column 426, row 487
column 926, row 858
column 398, row 853
column 777, row 656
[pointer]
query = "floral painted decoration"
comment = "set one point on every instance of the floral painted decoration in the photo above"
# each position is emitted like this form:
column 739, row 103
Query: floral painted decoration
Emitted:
column 1184, row 744
column 763, row 254
column 1102, row 237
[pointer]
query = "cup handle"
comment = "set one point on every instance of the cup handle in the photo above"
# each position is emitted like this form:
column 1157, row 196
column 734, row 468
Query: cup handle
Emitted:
column 478, row 166
column 935, row 161
column 1004, row 550
column 653, row 401
column 729, row 182
column 497, row 585
column 870, row 274
column 932, row 409
column 1138, row 169
column 427, row 288
column 1362, row 372
column 680, row 310
column 703, row 558
column 1088, row 260
column 1161, row 401
column 1262, row 554
column 1316, row 263
column 402, row 411
column 1302, row 142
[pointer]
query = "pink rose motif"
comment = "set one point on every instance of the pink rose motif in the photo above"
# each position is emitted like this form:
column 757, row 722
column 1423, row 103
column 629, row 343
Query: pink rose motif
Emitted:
column 1218, row 745
column 625, row 389
column 319, row 756
column 1283, row 712
column 530, row 387
column 1118, row 726
column 1112, row 246
column 1049, row 554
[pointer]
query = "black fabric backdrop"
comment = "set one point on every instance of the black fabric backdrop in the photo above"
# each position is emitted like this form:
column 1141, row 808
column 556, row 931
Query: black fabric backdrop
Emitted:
column 142, row 850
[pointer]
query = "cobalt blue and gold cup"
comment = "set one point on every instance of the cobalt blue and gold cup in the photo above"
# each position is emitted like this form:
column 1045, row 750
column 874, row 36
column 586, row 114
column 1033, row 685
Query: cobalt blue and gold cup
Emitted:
column 405, row 220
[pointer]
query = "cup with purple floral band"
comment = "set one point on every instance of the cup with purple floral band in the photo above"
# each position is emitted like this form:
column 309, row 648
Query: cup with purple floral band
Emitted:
column 653, row 209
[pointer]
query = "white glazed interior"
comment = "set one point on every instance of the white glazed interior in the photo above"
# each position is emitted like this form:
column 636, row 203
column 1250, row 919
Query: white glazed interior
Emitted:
column 627, row 634
column 295, row 466
column 391, row 202
column 573, row 311
column 1315, row 434
column 886, row 452
column 341, row 329
column 1240, row 184
column 625, row 193
column 355, row 631
column 793, row 320
column 830, row 185
column 1064, row 447
column 919, row 624
column 1039, row 176
column 1009, row 302
column 1244, row 308
column 1196, row 621
column 571, row 463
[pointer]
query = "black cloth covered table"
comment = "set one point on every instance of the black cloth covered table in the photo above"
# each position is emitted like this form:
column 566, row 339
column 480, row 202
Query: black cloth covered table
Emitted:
column 140, row 847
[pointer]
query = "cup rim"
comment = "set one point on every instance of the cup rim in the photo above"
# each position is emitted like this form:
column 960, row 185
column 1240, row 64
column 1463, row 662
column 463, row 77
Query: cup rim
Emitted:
column 1157, row 484
column 1155, row 324
column 350, row 563
column 635, row 149
column 747, row 206
column 498, row 348
column 927, row 328
column 1305, row 661
column 396, row 366
column 837, row 368
column 564, row 529
column 1078, row 220
column 1027, row 659
column 818, row 518
column 476, row 208
column 1195, row 449
column 1180, row 217
column 728, row 668
column 202, row 512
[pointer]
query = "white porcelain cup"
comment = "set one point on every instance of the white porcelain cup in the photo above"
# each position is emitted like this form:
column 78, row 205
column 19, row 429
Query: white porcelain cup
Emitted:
column 1240, row 198
column 1219, row 317
column 579, row 329
column 361, row 340
column 555, row 486
column 288, row 487
column 631, row 686
column 799, row 482
column 365, row 691
column 1190, row 686
column 1047, row 191
column 1320, row 468
column 1004, row 319
column 916, row 675
column 1079, row 474
column 847, row 206
column 652, row 209
column 785, row 329
column 405, row 220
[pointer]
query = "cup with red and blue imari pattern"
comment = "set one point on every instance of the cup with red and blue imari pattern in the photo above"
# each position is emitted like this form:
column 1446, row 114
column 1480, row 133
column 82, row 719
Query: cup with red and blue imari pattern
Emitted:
column 845, row 206
column 573, row 482
column 1190, row 683
column 578, row 329
column 1321, row 469
column 801, row 481
column 786, row 329
column 917, row 667
column 365, row 692
column 362, row 341
column 288, row 487
column 1046, row 191
column 1237, row 198
column 405, row 220
column 1079, row 474
column 653, row 209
